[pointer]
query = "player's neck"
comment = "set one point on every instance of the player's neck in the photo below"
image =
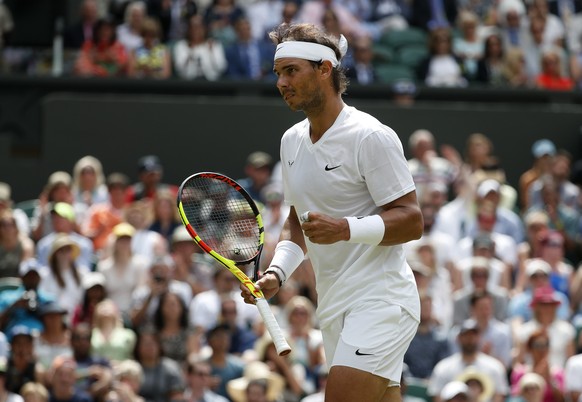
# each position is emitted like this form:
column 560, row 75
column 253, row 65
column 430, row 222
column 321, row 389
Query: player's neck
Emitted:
column 324, row 118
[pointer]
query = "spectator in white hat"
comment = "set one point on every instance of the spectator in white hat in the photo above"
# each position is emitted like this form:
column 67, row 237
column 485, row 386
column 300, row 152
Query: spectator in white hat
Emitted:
column 543, row 152
column 455, row 391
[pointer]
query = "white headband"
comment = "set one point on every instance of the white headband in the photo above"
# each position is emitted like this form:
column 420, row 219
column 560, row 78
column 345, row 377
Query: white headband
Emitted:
column 311, row 51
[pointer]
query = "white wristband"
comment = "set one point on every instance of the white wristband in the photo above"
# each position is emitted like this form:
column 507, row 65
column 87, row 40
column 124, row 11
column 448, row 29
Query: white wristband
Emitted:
column 366, row 229
column 288, row 256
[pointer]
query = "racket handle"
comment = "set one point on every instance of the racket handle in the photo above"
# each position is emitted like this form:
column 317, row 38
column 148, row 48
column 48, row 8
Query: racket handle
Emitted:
column 273, row 327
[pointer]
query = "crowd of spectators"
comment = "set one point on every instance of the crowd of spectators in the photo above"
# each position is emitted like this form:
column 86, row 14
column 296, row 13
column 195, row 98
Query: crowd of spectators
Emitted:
column 105, row 297
column 506, row 43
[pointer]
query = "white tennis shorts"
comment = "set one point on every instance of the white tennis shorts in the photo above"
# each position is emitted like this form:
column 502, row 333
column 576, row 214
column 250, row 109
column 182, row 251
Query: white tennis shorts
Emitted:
column 373, row 336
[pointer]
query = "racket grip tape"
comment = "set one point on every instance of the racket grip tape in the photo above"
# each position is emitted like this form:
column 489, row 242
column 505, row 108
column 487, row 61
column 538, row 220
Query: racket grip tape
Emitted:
column 273, row 327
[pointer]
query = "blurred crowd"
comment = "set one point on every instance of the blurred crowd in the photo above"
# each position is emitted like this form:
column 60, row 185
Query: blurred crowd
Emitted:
column 442, row 43
column 105, row 297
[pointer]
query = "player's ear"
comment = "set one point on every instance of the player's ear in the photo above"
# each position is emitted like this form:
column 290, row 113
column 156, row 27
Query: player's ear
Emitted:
column 325, row 68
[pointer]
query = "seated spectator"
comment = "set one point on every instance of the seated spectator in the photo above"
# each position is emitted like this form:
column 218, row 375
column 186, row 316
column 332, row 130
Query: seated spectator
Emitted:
column 450, row 367
column 192, row 264
column 479, row 273
column 171, row 323
column 562, row 333
column 7, row 396
column 110, row 340
column 530, row 389
column 551, row 76
column 496, row 336
column 55, row 338
column 258, row 168
column 128, row 378
column 242, row 338
column 490, row 65
column 205, row 307
column 165, row 214
column 425, row 165
column 537, row 352
column 34, row 392
column 469, row 45
column 257, row 384
column 423, row 15
column 129, row 32
column 363, row 71
column 430, row 344
column 537, row 272
column 572, row 373
column 93, row 292
column 64, row 223
column 19, row 307
column 146, row 299
column 249, row 58
column 124, row 270
column 94, row 374
column 151, row 59
column 455, row 391
column 88, row 186
column 513, row 23
column 441, row 68
column 163, row 378
column 480, row 385
column 103, row 55
column 61, row 380
column 220, row 17
column 174, row 16
column 513, row 71
column 499, row 275
column 15, row 247
column 82, row 30
column 63, row 278
column 23, row 366
column 225, row 366
column 57, row 189
column 198, row 374
column 543, row 152
column 101, row 218
column 199, row 56
column 552, row 252
column 146, row 243
column 150, row 173
column 307, row 353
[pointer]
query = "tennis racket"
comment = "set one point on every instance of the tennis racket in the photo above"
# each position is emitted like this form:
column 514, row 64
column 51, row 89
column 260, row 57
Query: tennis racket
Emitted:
column 225, row 222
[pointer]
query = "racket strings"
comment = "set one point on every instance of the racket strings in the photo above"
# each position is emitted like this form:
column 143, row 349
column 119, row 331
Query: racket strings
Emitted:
column 222, row 217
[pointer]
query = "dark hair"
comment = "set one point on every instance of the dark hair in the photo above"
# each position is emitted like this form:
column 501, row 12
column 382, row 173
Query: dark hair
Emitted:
column 478, row 295
column 57, row 273
column 141, row 333
column 104, row 22
column 159, row 319
column 314, row 34
column 487, row 50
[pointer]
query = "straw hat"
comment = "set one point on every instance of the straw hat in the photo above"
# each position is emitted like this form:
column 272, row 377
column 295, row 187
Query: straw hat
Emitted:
column 256, row 371
column 63, row 240
column 471, row 374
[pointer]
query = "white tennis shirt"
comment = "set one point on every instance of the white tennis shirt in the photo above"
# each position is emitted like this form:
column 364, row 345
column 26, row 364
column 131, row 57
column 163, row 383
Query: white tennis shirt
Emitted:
column 357, row 166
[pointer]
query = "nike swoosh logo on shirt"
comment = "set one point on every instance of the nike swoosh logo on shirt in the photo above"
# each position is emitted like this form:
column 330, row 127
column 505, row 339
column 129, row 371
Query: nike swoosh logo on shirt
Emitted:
column 363, row 354
column 328, row 168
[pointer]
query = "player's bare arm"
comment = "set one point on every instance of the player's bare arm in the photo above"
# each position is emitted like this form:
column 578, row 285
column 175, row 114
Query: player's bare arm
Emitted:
column 402, row 220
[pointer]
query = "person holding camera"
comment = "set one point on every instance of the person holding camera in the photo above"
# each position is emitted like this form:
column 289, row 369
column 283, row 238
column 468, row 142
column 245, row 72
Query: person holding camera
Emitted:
column 146, row 299
column 20, row 306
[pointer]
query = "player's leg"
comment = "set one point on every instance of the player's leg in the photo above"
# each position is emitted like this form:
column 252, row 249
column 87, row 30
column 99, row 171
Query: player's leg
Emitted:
column 347, row 384
column 368, row 352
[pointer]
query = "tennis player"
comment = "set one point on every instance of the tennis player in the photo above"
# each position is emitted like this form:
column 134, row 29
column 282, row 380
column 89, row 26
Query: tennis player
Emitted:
column 346, row 176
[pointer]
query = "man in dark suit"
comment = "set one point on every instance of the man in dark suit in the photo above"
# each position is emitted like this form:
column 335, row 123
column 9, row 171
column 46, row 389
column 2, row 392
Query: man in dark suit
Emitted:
column 362, row 72
column 78, row 33
column 249, row 58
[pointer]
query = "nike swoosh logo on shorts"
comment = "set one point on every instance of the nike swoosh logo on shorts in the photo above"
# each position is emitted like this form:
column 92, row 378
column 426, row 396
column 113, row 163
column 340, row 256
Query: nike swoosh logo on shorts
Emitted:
column 328, row 168
column 363, row 354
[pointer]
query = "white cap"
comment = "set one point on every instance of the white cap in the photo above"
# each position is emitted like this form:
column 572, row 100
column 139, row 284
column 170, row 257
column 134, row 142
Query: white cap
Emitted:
column 487, row 186
column 453, row 389
column 537, row 265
